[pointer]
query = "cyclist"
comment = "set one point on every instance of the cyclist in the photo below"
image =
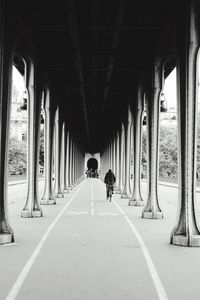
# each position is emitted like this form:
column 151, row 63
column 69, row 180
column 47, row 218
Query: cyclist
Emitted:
column 109, row 180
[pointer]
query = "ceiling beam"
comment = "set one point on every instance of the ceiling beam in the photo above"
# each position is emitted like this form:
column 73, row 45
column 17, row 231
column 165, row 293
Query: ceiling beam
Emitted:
column 95, row 15
column 73, row 28
column 88, row 69
column 116, row 35
column 62, row 90
column 96, row 27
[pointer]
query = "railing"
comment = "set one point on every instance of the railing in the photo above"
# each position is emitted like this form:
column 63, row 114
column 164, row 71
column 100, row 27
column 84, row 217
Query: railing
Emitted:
column 21, row 177
column 172, row 180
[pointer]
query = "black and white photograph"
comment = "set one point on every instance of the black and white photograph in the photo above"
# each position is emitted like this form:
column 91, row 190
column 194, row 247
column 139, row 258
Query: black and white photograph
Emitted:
column 100, row 149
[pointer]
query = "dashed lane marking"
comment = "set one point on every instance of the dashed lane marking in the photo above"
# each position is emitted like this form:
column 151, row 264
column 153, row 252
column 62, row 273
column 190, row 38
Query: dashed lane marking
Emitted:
column 77, row 213
column 92, row 199
column 108, row 214
column 22, row 276
column 162, row 295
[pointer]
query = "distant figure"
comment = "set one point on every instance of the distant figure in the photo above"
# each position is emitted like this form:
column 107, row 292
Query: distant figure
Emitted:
column 109, row 180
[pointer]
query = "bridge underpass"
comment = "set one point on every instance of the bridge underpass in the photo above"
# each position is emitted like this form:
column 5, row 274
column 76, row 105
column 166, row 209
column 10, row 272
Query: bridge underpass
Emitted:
column 93, row 253
column 95, row 66
column 91, row 68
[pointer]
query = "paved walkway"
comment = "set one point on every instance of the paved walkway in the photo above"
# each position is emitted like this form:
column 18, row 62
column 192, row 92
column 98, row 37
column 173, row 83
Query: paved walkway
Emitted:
column 87, row 248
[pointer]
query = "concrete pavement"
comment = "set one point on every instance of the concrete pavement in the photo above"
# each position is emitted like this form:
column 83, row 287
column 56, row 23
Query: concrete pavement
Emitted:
column 93, row 253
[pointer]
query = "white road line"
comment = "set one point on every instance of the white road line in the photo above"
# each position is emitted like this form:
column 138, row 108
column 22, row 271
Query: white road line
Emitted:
column 162, row 295
column 152, row 269
column 108, row 214
column 22, row 276
column 92, row 199
column 77, row 213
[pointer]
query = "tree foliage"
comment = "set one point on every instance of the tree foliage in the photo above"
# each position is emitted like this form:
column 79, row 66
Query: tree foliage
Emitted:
column 41, row 155
column 168, row 165
column 167, row 152
column 198, row 145
column 17, row 159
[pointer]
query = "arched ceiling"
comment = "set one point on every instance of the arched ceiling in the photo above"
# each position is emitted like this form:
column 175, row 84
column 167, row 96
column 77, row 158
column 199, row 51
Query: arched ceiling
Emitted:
column 94, row 52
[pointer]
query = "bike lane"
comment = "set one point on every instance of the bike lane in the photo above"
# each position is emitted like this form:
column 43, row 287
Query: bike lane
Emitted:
column 90, row 253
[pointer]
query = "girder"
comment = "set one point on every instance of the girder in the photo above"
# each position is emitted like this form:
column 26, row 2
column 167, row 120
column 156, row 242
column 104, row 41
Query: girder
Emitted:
column 94, row 53
column 93, row 78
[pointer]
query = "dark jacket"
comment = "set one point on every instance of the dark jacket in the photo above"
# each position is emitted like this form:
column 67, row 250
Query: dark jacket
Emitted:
column 109, row 178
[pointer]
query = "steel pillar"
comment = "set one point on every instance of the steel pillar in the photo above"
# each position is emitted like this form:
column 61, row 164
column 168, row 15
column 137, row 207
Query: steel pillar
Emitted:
column 57, row 188
column 63, row 159
column 121, row 160
column 71, row 164
column 48, row 197
column 136, row 198
column 127, row 125
column 113, row 155
column 32, row 208
column 117, row 161
column 6, row 52
column 152, row 209
column 186, row 232
column 119, row 145
column 66, row 186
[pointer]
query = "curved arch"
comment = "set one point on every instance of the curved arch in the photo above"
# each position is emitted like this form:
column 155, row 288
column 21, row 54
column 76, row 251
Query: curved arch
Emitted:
column 92, row 165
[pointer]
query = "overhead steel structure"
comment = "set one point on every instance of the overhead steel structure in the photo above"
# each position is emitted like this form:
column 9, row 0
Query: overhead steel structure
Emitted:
column 94, row 62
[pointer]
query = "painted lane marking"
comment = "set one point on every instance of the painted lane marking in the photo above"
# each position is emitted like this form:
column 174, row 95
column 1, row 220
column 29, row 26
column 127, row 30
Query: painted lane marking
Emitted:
column 77, row 213
column 108, row 214
column 162, row 295
column 22, row 276
column 152, row 269
column 92, row 199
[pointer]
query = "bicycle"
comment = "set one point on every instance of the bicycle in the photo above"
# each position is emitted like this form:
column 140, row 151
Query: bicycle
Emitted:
column 109, row 191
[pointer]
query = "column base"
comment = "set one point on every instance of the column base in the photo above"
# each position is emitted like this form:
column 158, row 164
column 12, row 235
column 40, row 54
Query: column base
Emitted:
column 152, row 215
column 31, row 214
column 48, row 202
column 118, row 191
column 6, row 238
column 66, row 190
column 183, row 240
column 136, row 203
column 59, row 195
column 125, row 196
